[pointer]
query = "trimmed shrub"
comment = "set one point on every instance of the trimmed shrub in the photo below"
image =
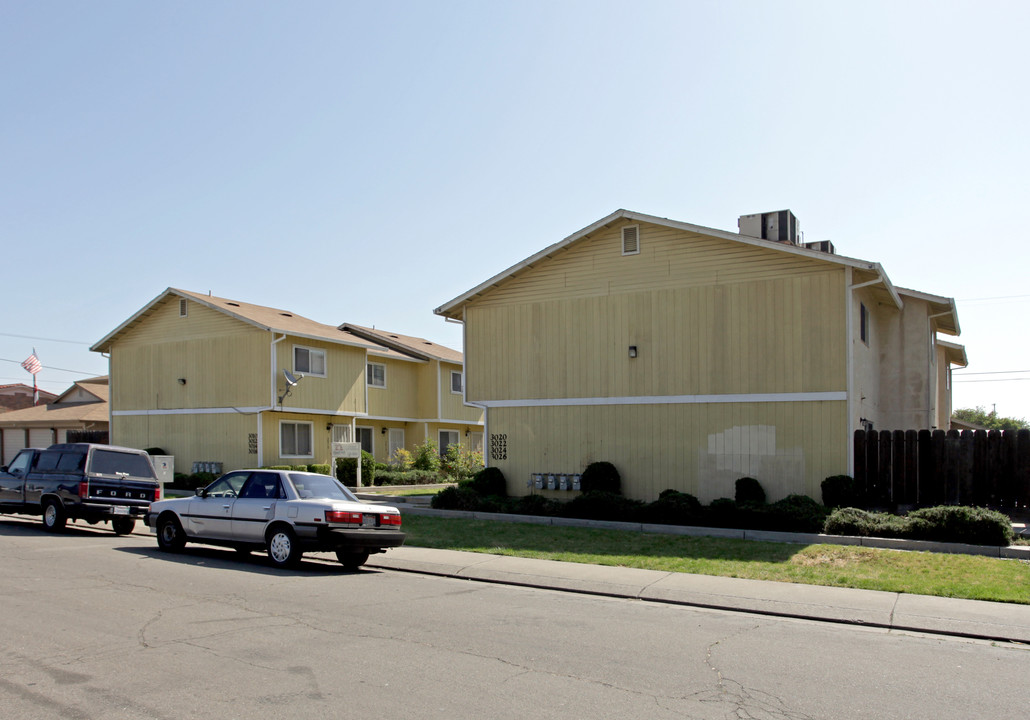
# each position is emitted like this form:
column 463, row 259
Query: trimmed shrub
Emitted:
column 796, row 513
column 277, row 467
column 722, row 512
column 603, row 506
column 457, row 498
column 841, row 491
column 748, row 491
column 320, row 468
column 601, row 476
column 347, row 470
column 461, row 463
column 488, row 481
column 853, row 521
column 950, row 523
column 673, row 508
column 406, row 477
column 534, row 505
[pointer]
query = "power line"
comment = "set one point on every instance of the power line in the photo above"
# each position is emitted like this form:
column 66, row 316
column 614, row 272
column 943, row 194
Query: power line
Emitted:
column 51, row 367
column 43, row 339
column 994, row 380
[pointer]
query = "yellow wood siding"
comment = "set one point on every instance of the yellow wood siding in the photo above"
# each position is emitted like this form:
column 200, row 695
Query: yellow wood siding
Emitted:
column 341, row 390
column 399, row 399
column 668, row 258
column 452, row 405
column 223, row 361
column 766, row 336
column 220, row 438
column 699, row 449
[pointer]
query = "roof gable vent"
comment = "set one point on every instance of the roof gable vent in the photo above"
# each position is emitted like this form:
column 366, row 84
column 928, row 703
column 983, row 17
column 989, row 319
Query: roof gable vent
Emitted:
column 182, row 307
column 631, row 240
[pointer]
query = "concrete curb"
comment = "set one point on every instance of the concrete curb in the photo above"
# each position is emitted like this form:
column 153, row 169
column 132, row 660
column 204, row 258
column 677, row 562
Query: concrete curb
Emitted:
column 1019, row 552
column 870, row 608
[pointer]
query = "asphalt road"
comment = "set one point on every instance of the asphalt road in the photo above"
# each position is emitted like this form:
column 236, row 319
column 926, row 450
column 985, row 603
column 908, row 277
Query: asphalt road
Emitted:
column 93, row 625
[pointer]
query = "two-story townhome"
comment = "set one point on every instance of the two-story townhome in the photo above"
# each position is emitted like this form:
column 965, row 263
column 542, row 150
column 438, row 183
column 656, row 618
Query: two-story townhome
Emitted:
column 690, row 357
column 415, row 397
column 212, row 380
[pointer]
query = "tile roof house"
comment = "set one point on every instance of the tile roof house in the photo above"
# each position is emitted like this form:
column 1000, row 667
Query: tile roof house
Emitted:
column 691, row 357
column 19, row 395
column 82, row 407
column 213, row 380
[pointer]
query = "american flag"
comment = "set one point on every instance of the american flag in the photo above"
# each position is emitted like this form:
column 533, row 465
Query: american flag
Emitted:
column 32, row 363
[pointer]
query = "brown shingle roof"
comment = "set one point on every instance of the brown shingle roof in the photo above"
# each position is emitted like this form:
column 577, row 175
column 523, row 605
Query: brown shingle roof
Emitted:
column 407, row 343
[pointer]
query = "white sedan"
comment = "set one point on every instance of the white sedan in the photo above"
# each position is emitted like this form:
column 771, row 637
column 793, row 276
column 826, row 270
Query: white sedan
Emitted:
column 282, row 511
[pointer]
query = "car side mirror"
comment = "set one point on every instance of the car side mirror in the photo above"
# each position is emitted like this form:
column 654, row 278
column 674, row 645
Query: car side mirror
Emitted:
column 3, row 469
column 202, row 492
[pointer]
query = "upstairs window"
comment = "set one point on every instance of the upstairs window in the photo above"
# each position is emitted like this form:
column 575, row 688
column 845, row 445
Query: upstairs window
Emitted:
column 375, row 375
column 309, row 361
column 456, row 383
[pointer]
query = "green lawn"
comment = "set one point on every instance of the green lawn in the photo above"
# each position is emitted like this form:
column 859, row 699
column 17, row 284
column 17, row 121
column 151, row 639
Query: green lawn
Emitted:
column 960, row 576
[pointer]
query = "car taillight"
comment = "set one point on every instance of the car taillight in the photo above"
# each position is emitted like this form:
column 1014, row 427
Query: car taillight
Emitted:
column 83, row 488
column 343, row 516
column 157, row 494
column 390, row 519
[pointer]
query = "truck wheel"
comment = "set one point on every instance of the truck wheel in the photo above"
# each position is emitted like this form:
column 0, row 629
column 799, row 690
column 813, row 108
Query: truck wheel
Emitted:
column 283, row 549
column 54, row 517
column 170, row 536
column 123, row 525
column 350, row 559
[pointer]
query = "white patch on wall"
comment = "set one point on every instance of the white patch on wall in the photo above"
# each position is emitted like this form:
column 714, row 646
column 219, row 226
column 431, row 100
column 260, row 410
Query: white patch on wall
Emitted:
column 749, row 451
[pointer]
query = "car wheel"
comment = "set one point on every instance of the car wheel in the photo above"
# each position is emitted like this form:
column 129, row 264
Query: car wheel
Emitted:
column 170, row 536
column 283, row 549
column 54, row 517
column 350, row 559
column 123, row 525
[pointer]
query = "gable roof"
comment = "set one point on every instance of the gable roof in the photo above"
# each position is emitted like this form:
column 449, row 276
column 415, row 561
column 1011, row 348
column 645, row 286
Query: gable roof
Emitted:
column 259, row 316
column 869, row 272
column 98, row 387
column 419, row 347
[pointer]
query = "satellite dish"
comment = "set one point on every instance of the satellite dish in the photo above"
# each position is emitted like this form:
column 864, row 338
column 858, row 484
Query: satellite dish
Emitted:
column 291, row 382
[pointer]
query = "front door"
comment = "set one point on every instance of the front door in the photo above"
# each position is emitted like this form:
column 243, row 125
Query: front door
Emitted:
column 255, row 507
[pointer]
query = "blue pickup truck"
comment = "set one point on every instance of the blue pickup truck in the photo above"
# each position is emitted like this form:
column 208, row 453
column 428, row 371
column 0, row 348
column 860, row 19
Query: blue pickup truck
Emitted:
column 95, row 483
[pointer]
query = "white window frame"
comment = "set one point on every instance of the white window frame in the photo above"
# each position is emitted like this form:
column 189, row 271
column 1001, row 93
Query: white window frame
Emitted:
column 341, row 432
column 461, row 382
column 443, row 449
column 358, row 429
column 370, row 375
column 311, row 438
column 310, row 351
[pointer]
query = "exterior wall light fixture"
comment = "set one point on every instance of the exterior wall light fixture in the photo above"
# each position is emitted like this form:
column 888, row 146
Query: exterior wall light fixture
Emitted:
column 632, row 351
column 182, row 381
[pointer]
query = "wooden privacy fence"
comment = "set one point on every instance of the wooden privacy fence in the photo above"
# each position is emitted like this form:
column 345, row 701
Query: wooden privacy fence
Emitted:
column 925, row 468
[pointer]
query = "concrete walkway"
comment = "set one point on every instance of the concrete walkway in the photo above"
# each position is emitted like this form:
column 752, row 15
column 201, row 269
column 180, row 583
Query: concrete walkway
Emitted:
column 872, row 608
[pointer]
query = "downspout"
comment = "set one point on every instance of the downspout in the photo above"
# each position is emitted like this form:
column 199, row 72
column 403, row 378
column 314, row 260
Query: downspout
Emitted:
column 849, row 325
column 930, row 388
column 271, row 399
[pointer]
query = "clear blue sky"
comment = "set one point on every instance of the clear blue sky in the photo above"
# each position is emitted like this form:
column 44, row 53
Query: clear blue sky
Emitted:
column 366, row 162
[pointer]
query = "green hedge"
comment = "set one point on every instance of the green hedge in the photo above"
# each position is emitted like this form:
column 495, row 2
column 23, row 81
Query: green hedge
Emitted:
column 946, row 523
column 406, row 477
column 347, row 470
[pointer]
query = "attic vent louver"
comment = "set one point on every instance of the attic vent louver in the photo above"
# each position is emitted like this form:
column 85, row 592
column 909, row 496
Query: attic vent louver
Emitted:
column 631, row 240
column 182, row 307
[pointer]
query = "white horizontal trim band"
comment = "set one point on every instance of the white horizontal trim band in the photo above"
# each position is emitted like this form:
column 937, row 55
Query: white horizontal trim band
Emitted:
column 670, row 400
column 386, row 418
column 234, row 410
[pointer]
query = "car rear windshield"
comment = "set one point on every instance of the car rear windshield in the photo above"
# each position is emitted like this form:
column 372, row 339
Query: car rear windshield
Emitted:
column 112, row 462
column 319, row 486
